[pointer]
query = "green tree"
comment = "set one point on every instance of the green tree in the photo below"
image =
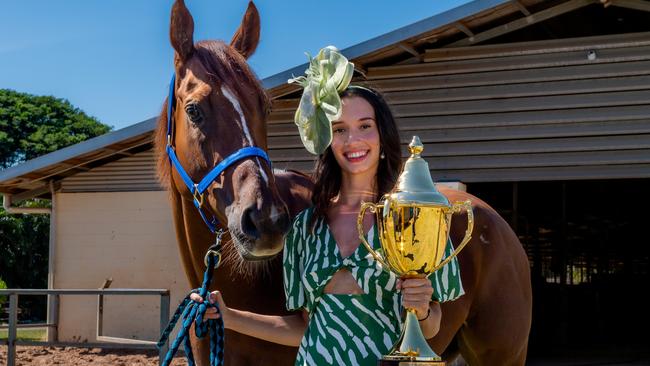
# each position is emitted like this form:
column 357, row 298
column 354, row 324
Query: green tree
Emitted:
column 31, row 126
column 3, row 298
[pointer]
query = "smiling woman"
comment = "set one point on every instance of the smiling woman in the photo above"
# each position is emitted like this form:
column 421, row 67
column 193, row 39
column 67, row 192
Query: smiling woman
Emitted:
column 347, row 308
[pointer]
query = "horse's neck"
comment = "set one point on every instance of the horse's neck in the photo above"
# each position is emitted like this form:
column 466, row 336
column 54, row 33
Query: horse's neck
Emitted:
column 295, row 188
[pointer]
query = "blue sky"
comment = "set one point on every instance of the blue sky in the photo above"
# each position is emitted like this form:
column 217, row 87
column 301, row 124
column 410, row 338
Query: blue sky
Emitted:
column 112, row 59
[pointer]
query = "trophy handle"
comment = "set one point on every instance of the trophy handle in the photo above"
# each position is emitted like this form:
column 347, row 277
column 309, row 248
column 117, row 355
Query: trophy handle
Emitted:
column 457, row 207
column 362, row 214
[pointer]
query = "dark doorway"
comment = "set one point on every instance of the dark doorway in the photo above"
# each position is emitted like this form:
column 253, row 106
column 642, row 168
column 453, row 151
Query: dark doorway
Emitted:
column 589, row 254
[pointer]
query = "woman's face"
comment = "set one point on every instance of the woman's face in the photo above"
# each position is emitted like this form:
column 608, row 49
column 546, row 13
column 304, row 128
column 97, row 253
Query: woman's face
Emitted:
column 355, row 139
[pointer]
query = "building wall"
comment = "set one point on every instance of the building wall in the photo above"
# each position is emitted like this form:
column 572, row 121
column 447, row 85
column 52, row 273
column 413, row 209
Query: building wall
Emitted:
column 126, row 236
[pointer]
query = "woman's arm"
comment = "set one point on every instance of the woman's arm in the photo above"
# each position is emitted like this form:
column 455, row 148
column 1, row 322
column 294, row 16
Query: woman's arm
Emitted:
column 286, row 330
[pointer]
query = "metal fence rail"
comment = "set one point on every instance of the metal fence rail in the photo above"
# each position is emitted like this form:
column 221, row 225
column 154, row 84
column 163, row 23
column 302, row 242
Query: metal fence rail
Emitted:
column 103, row 341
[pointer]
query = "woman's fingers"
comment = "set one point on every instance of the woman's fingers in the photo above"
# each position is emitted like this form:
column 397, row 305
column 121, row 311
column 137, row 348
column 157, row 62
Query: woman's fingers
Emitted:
column 420, row 298
column 415, row 282
column 212, row 313
column 416, row 286
column 417, row 290
column 215, row 297
column 416, row 294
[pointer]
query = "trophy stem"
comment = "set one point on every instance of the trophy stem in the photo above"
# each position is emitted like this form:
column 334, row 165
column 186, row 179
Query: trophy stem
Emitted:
column 411, row 348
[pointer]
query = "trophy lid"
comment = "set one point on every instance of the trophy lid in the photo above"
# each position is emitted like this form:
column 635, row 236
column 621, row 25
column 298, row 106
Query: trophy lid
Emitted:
column 414, row 184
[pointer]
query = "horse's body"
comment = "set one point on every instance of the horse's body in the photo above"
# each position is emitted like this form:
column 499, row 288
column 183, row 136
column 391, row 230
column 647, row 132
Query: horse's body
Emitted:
column 256, row 292
column 489, row 325
column 491, row 322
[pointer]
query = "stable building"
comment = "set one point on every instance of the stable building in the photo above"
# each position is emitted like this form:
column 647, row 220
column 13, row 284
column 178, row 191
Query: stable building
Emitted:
column 540, row 108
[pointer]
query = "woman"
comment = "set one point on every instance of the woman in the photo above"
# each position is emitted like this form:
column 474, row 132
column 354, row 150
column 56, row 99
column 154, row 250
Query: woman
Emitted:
column 349, row 307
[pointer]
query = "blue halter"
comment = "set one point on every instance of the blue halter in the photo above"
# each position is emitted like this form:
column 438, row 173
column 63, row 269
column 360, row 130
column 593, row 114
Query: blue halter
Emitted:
column 198, row 189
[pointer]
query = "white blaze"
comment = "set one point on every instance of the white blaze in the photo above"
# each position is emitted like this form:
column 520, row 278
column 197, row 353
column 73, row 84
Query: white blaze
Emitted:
column 244, row 125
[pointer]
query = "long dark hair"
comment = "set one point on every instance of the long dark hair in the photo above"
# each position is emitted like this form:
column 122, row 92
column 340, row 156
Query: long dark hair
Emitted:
column 327, row 174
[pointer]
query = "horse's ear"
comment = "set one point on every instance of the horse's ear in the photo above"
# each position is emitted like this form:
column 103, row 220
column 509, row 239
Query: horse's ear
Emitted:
column 247, row 36
column 181, row 30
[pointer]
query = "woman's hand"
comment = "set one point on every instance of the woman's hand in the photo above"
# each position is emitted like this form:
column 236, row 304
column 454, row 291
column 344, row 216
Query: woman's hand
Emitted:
column 211, row 313
column 416, row 294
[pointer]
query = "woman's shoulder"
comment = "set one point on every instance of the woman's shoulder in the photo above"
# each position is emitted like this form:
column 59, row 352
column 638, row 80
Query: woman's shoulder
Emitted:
column 303, row 216
column 302, row 220
column 298, row 232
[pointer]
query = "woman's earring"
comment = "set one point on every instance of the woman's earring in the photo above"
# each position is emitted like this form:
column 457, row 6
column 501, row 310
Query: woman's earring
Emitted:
column 382, row 155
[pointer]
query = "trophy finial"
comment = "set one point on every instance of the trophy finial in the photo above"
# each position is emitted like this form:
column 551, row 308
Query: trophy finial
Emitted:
column 414, row 183
column 416, row 147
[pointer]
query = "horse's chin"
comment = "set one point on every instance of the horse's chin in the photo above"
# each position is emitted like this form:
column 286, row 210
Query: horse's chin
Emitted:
column 254, row 251
column 247, row 256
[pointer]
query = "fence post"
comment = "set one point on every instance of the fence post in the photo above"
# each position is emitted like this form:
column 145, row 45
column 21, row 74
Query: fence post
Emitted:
column 164, row 319
column 53, row 318
column 13, row 325
column 100, row 307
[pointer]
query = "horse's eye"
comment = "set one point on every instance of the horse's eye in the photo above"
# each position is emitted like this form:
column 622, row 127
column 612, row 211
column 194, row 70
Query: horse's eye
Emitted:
column 194, row 113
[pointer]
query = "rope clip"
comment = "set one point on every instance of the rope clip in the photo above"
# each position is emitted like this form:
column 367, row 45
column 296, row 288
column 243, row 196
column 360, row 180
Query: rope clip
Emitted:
column 215, row 250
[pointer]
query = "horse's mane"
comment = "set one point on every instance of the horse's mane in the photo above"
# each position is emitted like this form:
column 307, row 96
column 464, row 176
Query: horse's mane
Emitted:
column 225, row 64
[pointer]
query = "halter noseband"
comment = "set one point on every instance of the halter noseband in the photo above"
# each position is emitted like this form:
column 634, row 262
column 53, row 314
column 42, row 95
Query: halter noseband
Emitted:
column 198, row 189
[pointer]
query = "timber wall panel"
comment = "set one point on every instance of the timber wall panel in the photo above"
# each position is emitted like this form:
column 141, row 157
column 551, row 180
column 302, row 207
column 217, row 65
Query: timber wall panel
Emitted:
column 132, row 173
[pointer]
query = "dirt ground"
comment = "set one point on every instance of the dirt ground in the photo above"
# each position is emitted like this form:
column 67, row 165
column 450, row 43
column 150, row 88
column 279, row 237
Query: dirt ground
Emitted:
column 42, row 356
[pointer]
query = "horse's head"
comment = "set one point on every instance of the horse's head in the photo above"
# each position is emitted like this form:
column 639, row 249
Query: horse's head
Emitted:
column 219, row 108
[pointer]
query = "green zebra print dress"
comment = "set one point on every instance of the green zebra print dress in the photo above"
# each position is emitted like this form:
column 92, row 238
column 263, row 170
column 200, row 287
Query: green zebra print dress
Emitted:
column 347, row 329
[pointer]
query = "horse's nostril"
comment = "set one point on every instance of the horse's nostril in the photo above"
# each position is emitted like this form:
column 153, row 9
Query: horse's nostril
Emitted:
column 249, row 223
column 256, row 224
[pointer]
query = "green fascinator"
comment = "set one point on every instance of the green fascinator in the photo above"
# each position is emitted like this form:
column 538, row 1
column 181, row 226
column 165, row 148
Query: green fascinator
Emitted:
column 329, row 73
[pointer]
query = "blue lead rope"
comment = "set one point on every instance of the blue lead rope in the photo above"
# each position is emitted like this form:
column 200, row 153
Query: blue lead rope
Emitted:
column 193, row 312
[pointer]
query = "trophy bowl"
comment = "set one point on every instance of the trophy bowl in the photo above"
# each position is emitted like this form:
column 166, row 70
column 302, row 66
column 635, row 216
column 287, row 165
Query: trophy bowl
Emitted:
column 413, row 224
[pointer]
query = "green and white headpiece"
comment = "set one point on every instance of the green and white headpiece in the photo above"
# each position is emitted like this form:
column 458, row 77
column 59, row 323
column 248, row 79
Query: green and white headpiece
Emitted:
column 328, row 74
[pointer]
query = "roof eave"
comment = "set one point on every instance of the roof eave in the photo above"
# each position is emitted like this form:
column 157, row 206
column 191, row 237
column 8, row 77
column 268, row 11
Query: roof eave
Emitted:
column 81, row 148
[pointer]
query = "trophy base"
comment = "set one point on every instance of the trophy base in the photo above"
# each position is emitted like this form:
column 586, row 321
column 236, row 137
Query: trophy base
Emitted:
column 383, row 362
column 411, row 349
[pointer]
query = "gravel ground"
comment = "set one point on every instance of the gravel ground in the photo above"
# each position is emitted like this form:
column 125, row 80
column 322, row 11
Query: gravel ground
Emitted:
column 41, row 356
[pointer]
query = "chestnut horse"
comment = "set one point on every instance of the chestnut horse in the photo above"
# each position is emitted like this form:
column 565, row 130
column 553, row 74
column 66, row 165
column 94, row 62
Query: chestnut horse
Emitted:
column 220, row 107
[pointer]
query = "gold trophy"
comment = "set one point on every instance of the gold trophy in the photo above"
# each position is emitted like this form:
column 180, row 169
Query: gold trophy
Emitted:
column 413, row 224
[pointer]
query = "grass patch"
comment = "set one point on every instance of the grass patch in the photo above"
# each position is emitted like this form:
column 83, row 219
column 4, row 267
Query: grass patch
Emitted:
column 28, row 334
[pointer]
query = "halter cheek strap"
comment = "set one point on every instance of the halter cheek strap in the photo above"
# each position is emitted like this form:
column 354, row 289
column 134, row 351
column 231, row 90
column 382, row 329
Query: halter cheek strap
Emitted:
column 198, row 189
